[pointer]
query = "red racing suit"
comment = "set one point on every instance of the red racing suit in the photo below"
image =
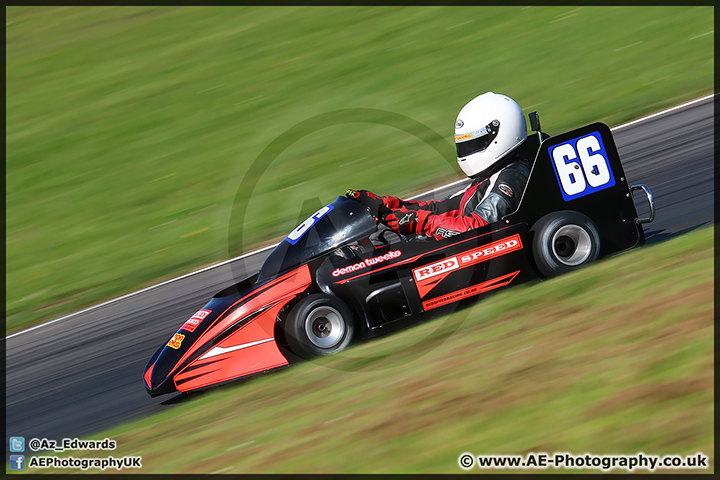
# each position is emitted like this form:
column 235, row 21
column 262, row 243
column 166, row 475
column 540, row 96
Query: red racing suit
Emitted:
column 484, row 201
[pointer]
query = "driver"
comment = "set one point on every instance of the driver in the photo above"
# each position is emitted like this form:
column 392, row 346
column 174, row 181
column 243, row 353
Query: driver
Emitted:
column 488, row 131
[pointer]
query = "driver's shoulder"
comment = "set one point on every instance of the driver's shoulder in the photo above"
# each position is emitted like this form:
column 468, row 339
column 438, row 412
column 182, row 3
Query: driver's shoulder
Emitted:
column 519, row 164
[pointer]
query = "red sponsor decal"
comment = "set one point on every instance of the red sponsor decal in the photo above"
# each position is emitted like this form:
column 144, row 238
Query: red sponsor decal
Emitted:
column 176, row 341
column 470, row 291
column 369, row 262
column 428, row 276
column 195, row 320
column 491, row 250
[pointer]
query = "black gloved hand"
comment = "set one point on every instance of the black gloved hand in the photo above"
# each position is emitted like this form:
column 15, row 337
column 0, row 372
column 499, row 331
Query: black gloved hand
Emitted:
column 369, row 199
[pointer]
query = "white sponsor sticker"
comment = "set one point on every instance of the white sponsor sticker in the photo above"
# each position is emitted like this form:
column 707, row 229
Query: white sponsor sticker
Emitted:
column 437, row 268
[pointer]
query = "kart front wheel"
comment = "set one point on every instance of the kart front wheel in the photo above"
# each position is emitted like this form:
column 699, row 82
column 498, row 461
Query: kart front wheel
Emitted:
column 564, row 241
column 318, row 325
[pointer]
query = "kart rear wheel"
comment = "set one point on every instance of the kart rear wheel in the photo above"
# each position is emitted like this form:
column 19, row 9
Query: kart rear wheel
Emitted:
column 564, row 241
column 318, row 325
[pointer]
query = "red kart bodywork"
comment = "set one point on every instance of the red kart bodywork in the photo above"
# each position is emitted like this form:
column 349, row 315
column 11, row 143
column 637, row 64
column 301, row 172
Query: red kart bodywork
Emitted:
column 247, row 324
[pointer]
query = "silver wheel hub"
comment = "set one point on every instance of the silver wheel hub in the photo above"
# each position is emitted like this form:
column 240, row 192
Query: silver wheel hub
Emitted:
column 571, row 245
column 324, row 327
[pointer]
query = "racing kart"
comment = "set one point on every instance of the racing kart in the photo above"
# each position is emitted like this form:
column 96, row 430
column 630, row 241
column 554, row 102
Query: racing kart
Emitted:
column 340, row 275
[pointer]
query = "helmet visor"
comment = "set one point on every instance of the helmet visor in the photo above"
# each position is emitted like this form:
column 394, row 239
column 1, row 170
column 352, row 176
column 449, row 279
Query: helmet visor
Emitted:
column 479, row 139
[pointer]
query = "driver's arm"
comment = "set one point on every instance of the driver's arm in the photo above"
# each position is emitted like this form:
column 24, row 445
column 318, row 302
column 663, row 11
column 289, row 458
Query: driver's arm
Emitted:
column 437, row 226
column 504, row 196
column 447, row 204
column 438, row 219
column 376, row 203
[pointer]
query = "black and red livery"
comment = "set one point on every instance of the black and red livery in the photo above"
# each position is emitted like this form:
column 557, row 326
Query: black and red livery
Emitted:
column 340, row 275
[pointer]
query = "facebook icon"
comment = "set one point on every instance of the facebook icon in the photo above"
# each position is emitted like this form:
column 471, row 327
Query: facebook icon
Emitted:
column 17, row 462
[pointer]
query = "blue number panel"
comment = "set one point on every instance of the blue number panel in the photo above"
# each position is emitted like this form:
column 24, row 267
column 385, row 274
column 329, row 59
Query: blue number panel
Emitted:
column 581, row 166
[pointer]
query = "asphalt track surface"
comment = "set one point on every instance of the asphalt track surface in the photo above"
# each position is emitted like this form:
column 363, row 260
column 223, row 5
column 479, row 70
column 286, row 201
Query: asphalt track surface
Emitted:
column 83, row 374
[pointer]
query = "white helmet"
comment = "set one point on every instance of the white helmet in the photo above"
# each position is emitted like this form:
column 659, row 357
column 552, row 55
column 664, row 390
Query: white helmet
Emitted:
column 488, row 128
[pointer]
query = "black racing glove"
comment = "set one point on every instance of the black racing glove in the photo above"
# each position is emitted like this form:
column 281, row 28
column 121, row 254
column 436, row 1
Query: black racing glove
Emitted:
column 369, row 199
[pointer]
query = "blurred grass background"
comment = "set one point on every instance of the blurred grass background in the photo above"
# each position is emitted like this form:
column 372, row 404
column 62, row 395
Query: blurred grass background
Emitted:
column 129, row 129
column 549, row 367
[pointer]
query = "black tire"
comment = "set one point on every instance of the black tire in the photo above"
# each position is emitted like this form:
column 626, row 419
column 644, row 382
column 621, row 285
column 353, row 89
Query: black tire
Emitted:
column 318, row 324
column 564, row 241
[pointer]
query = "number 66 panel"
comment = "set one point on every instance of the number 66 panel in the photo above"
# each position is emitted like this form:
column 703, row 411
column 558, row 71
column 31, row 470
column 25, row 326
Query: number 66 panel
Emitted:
column 580, row 171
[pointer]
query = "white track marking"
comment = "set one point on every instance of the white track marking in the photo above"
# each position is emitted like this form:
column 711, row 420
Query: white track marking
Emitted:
column 211, row 88
column 393, row 382
column 222, row 470
column 292, row 186
column 162, row 224
column 250, row 100
column 132, row 294
column 703, row 34
column 677, row 107
column 117, row 299
column 628, row 46
column 240, row 445
column 459, row 25
column 338, row 418
column 458, row 182
column 567, row 13
column 517, row 351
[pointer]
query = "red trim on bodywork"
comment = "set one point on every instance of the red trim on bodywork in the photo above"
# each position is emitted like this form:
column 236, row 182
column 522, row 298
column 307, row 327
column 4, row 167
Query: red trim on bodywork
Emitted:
column 429, row 275
column 148, row 374
column 239, row 363
column 278, row 291
column 470, row 291
column 425, row 287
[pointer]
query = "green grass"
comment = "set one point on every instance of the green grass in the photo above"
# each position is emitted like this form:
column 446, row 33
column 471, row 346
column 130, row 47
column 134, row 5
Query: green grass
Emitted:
column 130, row 129
column 614, row 359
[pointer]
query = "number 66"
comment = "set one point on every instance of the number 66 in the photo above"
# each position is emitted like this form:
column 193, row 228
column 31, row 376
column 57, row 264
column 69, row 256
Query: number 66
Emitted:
column 594, row 165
